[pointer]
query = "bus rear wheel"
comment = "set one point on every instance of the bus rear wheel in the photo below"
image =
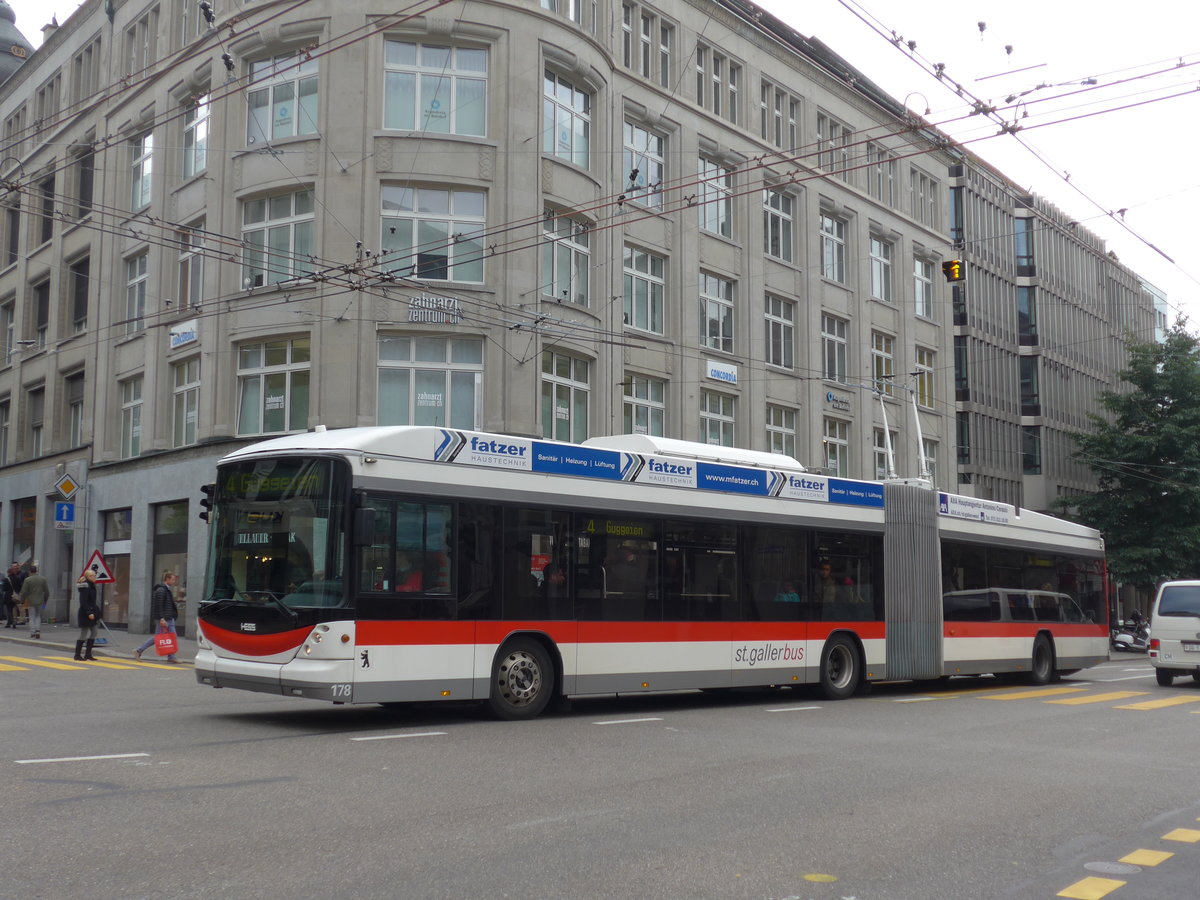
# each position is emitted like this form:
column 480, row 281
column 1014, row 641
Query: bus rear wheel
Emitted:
column 841, row 669
column 522, row 680
column 1041, row 668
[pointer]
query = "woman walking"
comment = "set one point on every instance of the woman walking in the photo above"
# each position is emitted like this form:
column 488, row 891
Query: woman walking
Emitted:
column 89, row 616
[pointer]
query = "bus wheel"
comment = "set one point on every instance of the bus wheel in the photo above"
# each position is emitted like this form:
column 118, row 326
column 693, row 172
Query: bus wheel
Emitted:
column 1041, row 669
column 1164, row 677
column 840, row 668
column 522, row 680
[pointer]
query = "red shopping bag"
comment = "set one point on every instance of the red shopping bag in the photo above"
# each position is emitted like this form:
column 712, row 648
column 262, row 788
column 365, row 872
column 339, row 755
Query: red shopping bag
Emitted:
column 166, row 644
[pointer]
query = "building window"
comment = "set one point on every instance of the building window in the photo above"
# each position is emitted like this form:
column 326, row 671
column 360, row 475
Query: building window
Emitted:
column 834, row 140
column 185, row 409
column 833, row 348
column 930, row 449
column 567, row 120
column 434, row 233
column 837, row 446
column 85, row 71
column 73, row 394
column 963, row 428
column 36, row 407
column 141, row 164
column 8, row 328
column 430, row 381
column 46, row 225
column 566, row 261
column 924, row 375
column 777, row 224
column 881, row 174
column 833, row 248
column 273, row 381
column 644, row 289
column 716, row 198
column 136, row 276
column 141, row 43
column 282, row 98
column 923, row 287
column 779, row 112
column 716, row 313
column 565, row 389
column 571, row 9
column 644, row 165
column 131, row 417
column 1031, row 449
column 12, row 234
column 962, row 379
column 435, row 88
column 957, row 223
column 1030, row 393
column 716, row 418
column 718, row 80
column 924, row 198
column 781, row 430
column 1023, row 237
column 883, row 363
column 4, row 423
column 41, row 314
column 195, row 137
column 884, row 468
column 191, row 266
column 646, row 43
column 85, row 182
column 1027, row 314
column 881, row 270
column 780, row 328
column 277, row 234
column 645, row 405
column 80, row 283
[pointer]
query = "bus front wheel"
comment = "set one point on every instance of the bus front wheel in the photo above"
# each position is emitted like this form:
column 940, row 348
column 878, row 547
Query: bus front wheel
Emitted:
column 841, row 669
column 522, row 680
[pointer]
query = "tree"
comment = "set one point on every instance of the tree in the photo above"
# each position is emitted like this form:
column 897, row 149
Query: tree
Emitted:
column 1146, row 453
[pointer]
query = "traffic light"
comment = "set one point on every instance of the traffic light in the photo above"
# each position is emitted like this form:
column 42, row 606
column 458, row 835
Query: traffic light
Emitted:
column 954, row 270
column 206, row 502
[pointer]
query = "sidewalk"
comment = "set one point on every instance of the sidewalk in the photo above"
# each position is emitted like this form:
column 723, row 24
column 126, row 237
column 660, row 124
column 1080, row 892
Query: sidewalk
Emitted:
column 119, row 644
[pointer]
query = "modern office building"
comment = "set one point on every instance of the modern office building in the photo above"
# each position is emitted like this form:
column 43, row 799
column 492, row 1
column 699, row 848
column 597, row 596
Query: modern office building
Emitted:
column 224, row 221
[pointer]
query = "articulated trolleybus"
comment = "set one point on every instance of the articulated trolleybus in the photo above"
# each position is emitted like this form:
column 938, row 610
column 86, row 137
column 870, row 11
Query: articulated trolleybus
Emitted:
column 400, row 564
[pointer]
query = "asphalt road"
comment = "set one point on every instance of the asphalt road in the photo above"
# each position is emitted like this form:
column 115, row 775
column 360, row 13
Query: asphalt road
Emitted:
column 135, row 782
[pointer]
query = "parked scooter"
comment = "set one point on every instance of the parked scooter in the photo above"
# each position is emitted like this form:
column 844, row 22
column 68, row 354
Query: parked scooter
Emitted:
column 1132, row 637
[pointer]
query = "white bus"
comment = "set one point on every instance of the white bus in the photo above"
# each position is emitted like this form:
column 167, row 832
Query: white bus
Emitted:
column 409, row 563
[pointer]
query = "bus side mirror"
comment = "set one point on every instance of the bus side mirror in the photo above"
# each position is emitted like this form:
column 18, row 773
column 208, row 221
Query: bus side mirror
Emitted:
column 364, row 526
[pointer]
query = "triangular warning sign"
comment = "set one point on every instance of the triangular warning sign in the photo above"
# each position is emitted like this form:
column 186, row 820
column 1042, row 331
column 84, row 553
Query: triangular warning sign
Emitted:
column 100, row 567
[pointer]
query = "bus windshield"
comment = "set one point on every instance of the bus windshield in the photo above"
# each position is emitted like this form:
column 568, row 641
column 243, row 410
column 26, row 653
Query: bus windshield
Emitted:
column 277, row 532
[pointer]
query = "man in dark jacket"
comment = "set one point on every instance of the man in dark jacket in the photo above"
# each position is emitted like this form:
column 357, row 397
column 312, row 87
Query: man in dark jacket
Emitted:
column 9, row 598
column 163, row 611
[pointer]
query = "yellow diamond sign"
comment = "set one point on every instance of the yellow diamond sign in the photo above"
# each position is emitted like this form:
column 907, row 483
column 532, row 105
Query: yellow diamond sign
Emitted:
column 67, row 486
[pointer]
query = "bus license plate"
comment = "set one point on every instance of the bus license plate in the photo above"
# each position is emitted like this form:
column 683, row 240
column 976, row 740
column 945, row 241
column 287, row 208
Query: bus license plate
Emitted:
column 1191, row 646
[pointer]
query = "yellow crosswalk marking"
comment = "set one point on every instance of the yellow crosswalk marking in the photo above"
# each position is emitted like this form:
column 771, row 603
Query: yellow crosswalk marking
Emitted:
column 43, row 663
column 1091, row 888
column 5, row 667
column 1099, row 698
column 1034, row 695
column 1160, row 704
column 1146, row 857
column 95, row 663
column 1183, row 835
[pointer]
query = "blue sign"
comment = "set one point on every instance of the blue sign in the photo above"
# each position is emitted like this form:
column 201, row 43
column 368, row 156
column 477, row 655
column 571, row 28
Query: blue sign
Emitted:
column 64, row 516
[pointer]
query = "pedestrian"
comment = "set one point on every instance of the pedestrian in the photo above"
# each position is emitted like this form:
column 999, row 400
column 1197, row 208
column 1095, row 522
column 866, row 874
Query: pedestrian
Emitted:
column 9, row 598
column 89, row 615
column 34, row 593
column 162, row 608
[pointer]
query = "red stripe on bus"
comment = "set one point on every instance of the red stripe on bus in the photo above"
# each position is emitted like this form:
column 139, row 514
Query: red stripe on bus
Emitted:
column 414, row 632
column 250, row 644
column 1020, row 629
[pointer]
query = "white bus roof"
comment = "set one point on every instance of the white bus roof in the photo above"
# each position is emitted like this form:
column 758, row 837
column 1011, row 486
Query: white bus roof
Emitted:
column 661, row 446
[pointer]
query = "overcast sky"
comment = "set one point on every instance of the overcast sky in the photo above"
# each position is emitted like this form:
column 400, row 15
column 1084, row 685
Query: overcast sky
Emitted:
column 1141, row 160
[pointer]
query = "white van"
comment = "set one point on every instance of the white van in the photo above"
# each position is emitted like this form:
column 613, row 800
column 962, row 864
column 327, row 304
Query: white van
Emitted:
column 1175, row 631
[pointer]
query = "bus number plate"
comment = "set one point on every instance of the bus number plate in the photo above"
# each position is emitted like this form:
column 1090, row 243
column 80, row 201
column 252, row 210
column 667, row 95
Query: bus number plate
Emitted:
column 1191, row 646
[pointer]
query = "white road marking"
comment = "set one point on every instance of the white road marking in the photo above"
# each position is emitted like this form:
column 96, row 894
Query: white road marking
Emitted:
column 629, row 721
column 791, row 708
column 80, row 758
column 391, row 737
